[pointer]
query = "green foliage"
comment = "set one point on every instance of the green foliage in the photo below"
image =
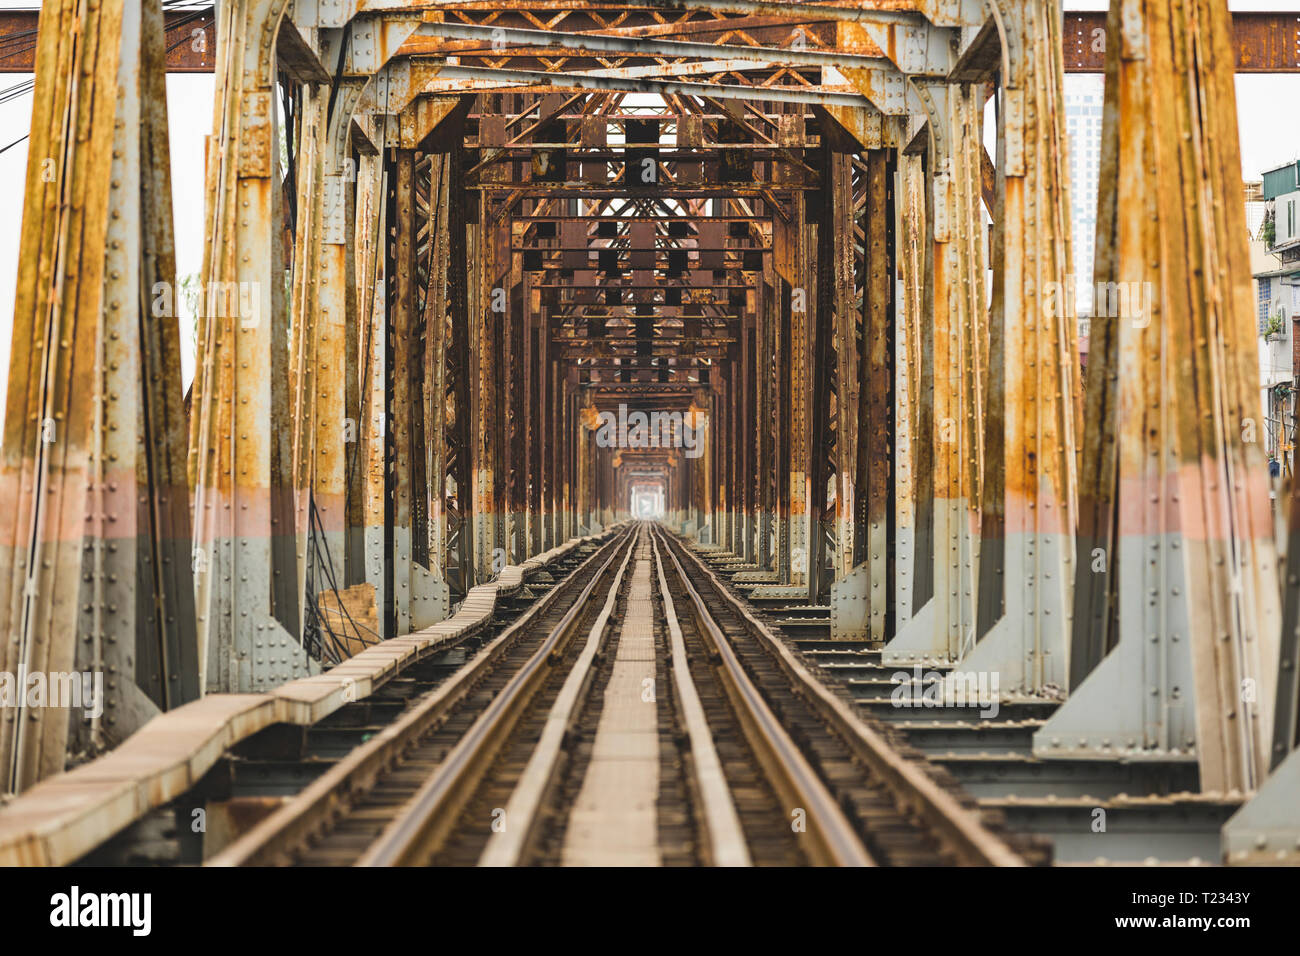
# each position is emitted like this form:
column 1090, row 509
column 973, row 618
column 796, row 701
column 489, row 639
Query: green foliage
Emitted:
column 1273, row 326
column 189, row 295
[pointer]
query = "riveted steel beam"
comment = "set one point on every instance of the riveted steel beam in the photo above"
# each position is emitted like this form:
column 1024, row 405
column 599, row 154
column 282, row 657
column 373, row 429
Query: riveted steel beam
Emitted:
column 1033, row 392
column 913, row 488
column 1262, row 42
column 1176, row 517
column 951, row 382
column 865, row 473
column 456, row 79
column 240, row 438
column 95, row 532
column 500, row 39
column 322, row 426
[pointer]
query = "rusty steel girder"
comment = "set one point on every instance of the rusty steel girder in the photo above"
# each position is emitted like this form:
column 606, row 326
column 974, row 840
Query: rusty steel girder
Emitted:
column 1177, row 563
column 249, row 609
column 1032, row 395
column 95, row 535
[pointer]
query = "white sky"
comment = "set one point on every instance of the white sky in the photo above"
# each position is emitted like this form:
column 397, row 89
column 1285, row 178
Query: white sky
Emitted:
column 1265, row 105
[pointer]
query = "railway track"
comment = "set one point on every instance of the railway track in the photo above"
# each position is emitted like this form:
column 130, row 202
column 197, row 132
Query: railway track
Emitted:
column 338, row 816
column 641, row 714
column 1154, row 812
column 901, row 813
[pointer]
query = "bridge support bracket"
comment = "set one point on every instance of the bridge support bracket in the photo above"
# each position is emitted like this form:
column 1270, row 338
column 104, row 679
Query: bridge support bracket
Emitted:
column 851, row 605
column 1267, row 829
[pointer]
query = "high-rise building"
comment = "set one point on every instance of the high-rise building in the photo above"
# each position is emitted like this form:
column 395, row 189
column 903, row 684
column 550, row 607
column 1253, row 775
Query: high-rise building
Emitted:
column 1083, row 109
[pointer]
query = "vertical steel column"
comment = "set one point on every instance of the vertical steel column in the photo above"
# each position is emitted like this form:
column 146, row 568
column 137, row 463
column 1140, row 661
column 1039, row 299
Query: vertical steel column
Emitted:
column 367, row 269
column 1029, row 502
column 912, row 541
column 735, row 445
column 95, row 535
column 749, row 434
column 401, row 329
column 457, row 434
column 716, row 402
column 484, row 413
column 1192, row 674
column 708, row 399
column 319, row 356
column 768, row 428
column 376, row 376
column 394, row 602
column 877, row 420
column 586, row 480
column 862, row 593
column 511, row 371
column 240, row 439
column 839, row 216
column 569, row 439
column 534, row 330
column 761, row 362
column 305, row 308
column 545, row 445
column 437, row 339
column 794, row 310
column 550, row 446
column 954, row 436
column 803, row 276
column 413, row 596
column 821, row 448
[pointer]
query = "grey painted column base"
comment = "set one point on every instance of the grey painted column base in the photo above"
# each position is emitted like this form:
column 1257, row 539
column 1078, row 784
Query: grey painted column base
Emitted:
column 422, row 599
column 1266, row 831
column 430, row 598
column 265, row 656
column 937, row 632
column 851, row 606
column 1139, row 703
column 1026, row 649
column 904, row 547
column 1108, row 717
column 915, row 640
column 257, row 653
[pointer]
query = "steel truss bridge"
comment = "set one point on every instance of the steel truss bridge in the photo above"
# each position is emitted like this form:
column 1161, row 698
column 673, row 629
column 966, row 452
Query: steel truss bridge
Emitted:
column 456, row 252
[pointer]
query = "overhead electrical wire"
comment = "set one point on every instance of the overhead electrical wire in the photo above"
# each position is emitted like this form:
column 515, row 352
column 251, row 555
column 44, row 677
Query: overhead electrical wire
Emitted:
column 23, row 87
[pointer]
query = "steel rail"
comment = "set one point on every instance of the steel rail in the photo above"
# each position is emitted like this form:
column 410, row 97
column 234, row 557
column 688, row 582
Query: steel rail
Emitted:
column 507, row 847
column 432, row 811
column 727, row 846
column 835, row 840
column 960, row 829
column 274, row 838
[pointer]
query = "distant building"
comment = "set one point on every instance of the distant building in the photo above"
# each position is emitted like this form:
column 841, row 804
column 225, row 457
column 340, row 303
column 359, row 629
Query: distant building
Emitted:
column 1256, row 207
column 1281, row 194
column 1083, row 114
column 1275, row 263
column 1278, row 300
